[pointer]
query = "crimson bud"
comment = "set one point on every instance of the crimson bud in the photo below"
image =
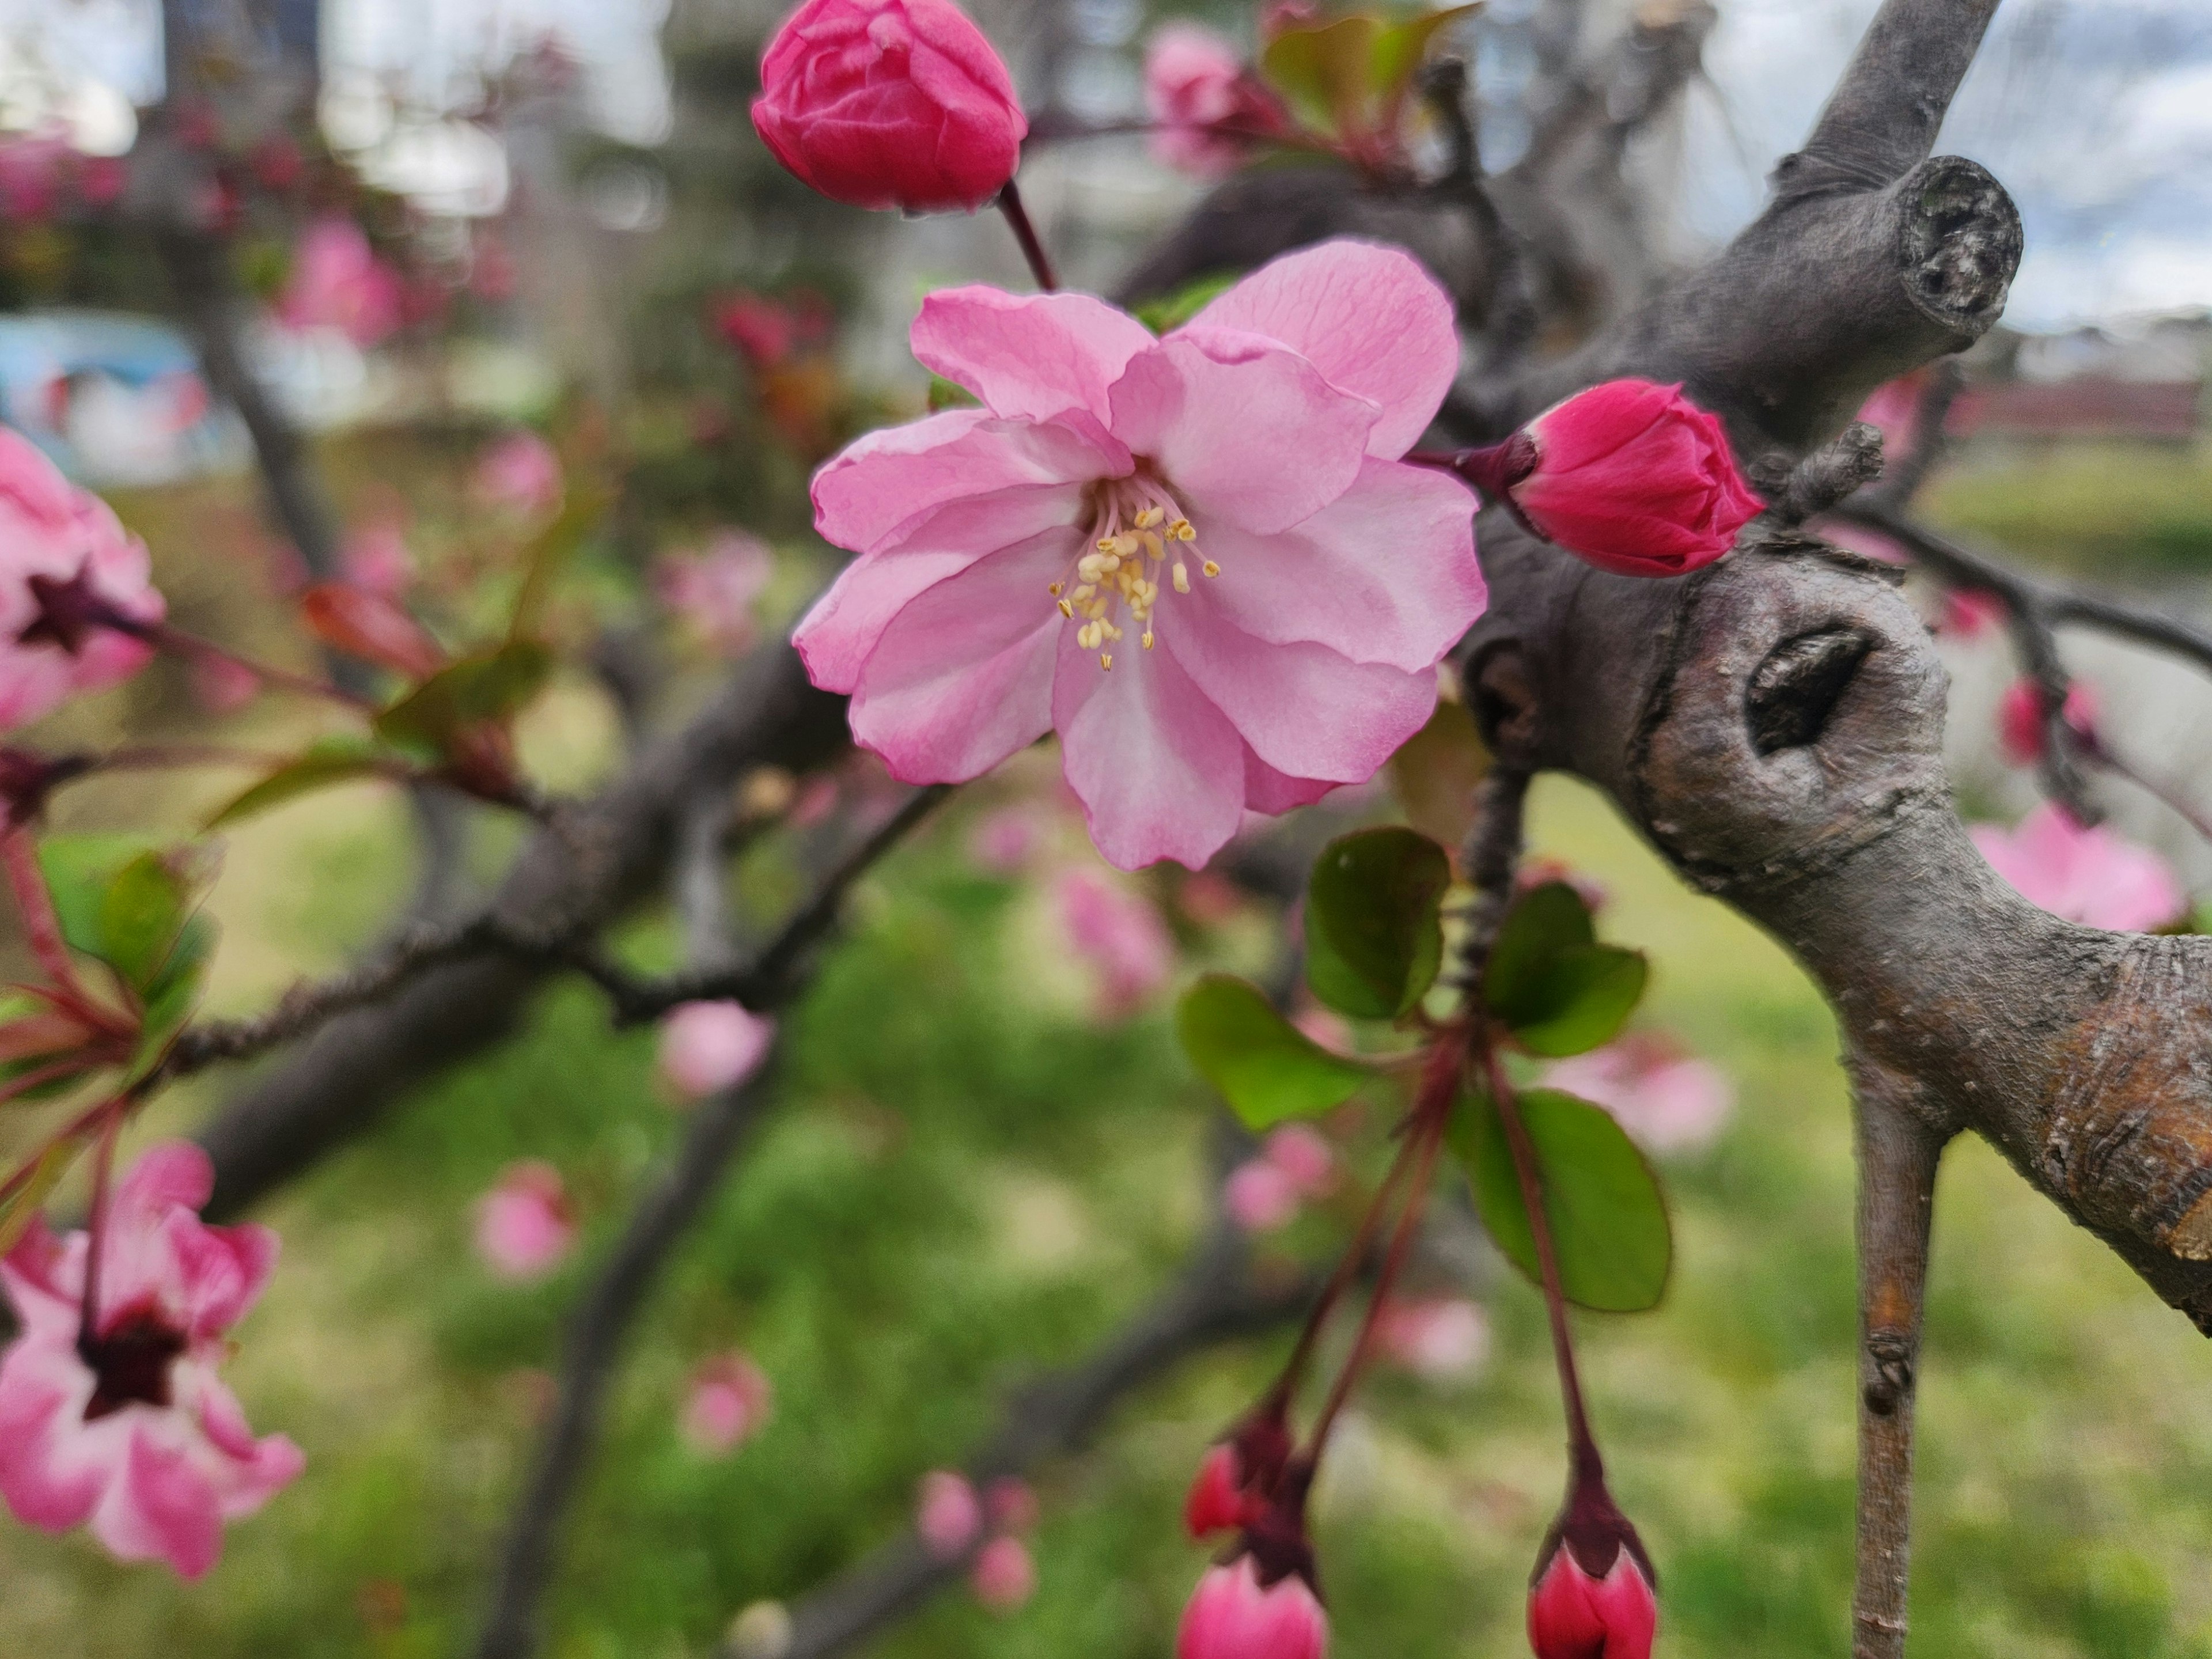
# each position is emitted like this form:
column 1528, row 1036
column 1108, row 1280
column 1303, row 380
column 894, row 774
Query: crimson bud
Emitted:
column 1592, row 1596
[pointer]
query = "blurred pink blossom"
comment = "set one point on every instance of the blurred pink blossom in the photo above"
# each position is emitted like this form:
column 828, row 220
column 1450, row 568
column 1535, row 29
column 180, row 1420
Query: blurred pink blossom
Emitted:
column 1894, row 407
column 1209, row 898
column 128, row 1428
column 520, row 472
column 1303, row 1155
column 221, row 686
column 2020, row 719
column 337, row 282
column 2088, row 876
column 1259, row 1197
column 376, row 559
column 708, row 1047
column 1325, row 1026
column 1443, row 1338
column 524, row 1224
column 1668, row 1100
column 714, row 590
column 729, row 1402
column 1120, row 935
column 1858, row 538
column 1196, row 81
column 101, row 179
column 947, row 1514
column 1007, row 838
column 1011, row 1504
column 1004, row 1576
column 30, row 177
column 1970, row 612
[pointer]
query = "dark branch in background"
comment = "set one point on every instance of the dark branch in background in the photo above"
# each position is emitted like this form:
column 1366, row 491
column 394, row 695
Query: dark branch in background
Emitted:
column 617, row 1297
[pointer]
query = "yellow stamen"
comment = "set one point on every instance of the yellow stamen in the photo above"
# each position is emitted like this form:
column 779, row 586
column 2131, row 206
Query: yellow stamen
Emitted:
column 1148, row 639
column 1182, row 577
column 1210, row 569
column 1065, row 609
column 1148, row 517
column 1106, row 661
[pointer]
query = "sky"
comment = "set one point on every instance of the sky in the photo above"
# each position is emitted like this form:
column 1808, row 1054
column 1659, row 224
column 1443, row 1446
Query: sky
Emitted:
column 2097, row 114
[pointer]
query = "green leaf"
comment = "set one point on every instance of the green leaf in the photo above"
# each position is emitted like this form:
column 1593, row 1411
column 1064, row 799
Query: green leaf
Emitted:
column 327, row 761
column 1607, row 1215
column 483, row 686
column 18, row 1209
column 172, row 995
column 945, row 394
column 1435, row 771
column 1552, row 984
column 1373, row 935
column 1400, row 47
column 128, row 901
column 1173, row 310
column 141, row 915
column 1325, row 72
column 1265, row 1067
column 78, row 870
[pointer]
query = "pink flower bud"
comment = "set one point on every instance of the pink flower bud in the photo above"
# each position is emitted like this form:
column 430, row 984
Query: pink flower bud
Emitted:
column 1215, row 1501
column 947, row 1514
column 1304, row 1157
column 891, row 104
column 1969, row 613
column 376, row 559
column 2020, row 719
column 1575, row 1615
column 1004, row 1575
column 708, row 1047
column 1232, row 1616
column 523, row 1224
column 1011, row 1504
column 1635, row 479
column 1205, row 106
column 1240, row 1480
column 730, row 1401
column 1259, row 1196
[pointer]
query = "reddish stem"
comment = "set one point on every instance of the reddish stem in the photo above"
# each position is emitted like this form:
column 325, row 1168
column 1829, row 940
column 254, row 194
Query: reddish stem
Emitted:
column 103, row 1167
column 42, row 928
column 1018, row 219
column 166, row 638
column 1580, row 1441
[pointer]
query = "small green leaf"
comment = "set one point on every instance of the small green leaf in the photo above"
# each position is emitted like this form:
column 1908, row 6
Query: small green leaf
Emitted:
column 1172, row 311
column 945, row 394
column 79, row 870
column 1373, row 935
column 172, row 996
column 20, row 1206
column 1325, row 71
column 327, row 761
column 1551, row 983
column 1265, row 1067
column 483, row 686
column 1607, row 1215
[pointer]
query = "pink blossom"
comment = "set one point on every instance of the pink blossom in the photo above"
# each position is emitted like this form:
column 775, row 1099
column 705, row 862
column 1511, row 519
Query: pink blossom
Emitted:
column 890, row 103
column 1303, row 1155
column 1231, row 1616
column 1259, row 1197
column 1215, row 1501
column 30, row 177
column 523, row 1224
column 1444, row 1339
column 729, row 1402
column 65, row 562
column 377, row 560
column 1195, row 84
column 708, row 1047
column 715, row 590
column 1004, row 1575
column 762, row 331
column 222, row 686
column 1004, row 840
column 2088, row 876
column 337, row 282
column 1970, row 612
column 1011, row 1504
column 1666, row 1099
column 1575, row 1614
column 133, row 1431
column 1119, row 935
column 2021, row 731
column 947, row 1514
column 1231, row 492
column 520, row 472
column 101, row 179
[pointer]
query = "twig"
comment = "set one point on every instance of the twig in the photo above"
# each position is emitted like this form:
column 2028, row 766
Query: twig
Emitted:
column 1017, row 220
column 613, row 1303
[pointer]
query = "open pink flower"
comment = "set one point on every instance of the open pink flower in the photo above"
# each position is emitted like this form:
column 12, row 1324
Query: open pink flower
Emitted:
column 1118, row 936
column 2020, row 730
column 1195, row 84
column 708, row 1047
column 1004, row 1575
column 337, row 282
column 520, row 472
column 1230, row 494
column 1668, row 1100
column 729, row 1402
column 64, row 560
column 523, row 1224
column 947, row 1514
column 132, row 1432
column 1443, row 1338
column 890, row 103
column 2088, row 876
column 715, row 591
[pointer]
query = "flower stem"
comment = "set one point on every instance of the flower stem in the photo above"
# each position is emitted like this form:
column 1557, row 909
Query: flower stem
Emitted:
column 103, row 1170
column 163, row 636
column 1581, row 1443
column 1018, row 219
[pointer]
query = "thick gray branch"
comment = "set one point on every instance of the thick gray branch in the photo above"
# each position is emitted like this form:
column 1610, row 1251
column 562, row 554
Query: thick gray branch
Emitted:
column 1883, row 119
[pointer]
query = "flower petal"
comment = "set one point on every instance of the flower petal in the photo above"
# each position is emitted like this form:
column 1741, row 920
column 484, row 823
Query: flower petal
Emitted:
column 1159, row 768
column 1267, row 790
column 1368, row 317
column 43, row 1386
column 1386, row 573
column 1305, row 710
column 1032, row 357
column 164, row 1507
column 1244, row 428
column 836, row 636
column 886, row 483
column 962, row 677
